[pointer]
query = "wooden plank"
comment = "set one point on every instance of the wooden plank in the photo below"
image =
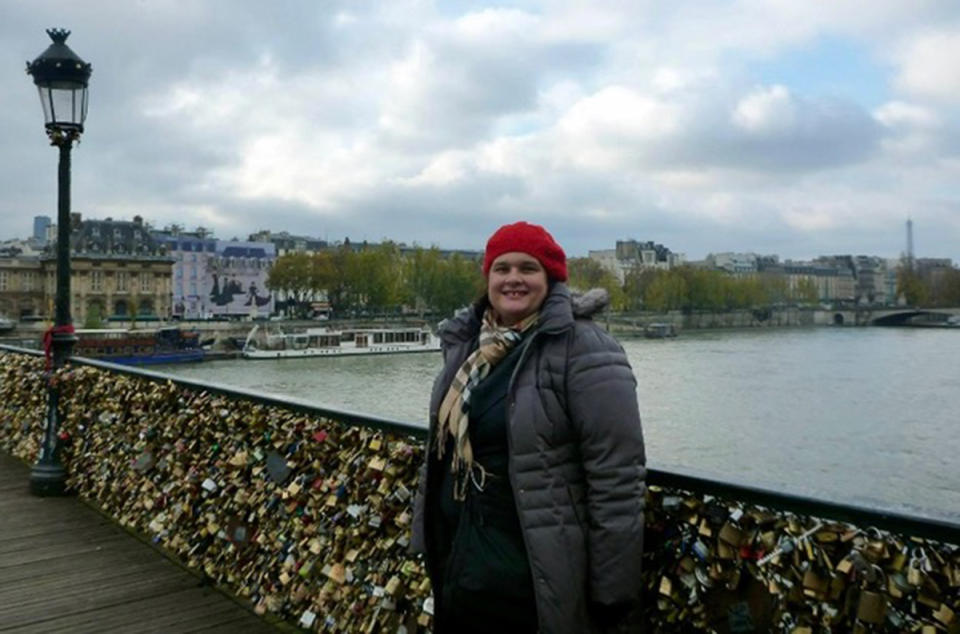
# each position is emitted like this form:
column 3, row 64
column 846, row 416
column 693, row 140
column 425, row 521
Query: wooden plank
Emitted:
column 34, row 549
column 232, row 627
column 110, row 555
column 162, row 612
column 65, row 567
column 86, row 597
column 34, row 536
column 25, row 589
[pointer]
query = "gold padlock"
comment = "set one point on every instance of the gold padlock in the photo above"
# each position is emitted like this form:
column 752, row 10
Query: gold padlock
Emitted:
column 872, row 607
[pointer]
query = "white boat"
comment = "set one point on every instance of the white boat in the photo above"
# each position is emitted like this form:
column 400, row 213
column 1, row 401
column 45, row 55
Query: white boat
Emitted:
column 324, row 342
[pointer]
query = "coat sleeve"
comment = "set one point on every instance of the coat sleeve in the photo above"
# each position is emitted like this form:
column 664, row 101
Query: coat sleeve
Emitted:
column 602, row 404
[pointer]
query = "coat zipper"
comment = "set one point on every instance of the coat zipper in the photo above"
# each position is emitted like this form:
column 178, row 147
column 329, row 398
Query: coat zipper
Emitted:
column 510, row 471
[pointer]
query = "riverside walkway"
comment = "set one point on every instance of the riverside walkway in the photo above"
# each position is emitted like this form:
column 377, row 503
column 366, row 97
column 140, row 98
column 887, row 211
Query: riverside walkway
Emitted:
column 66, row 568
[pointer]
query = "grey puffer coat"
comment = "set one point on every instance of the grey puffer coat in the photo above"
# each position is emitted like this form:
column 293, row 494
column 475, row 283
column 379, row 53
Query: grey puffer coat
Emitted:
column 577, row 464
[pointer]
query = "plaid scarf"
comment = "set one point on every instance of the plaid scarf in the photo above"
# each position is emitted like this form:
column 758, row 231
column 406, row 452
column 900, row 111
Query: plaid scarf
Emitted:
column 454, row 414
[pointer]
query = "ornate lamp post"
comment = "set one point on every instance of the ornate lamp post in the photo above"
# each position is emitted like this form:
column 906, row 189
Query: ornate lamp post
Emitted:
column 61, row 77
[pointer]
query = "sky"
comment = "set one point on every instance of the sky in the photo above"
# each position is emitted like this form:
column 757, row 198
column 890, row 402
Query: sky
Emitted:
column 766, row 126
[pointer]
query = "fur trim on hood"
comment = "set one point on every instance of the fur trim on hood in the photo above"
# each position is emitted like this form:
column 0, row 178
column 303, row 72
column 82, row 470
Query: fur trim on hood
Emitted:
column 590, row 303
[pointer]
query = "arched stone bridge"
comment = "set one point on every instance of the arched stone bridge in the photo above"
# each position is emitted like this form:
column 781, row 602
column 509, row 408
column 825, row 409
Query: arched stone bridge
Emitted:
column 889, row 316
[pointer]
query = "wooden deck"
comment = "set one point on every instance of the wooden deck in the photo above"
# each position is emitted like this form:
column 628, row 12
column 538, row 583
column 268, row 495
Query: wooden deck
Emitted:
column 66, row 568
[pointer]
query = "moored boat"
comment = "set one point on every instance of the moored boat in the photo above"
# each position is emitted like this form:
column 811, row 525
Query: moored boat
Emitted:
column 659, row 331
column 139, row 347
column 324, row 342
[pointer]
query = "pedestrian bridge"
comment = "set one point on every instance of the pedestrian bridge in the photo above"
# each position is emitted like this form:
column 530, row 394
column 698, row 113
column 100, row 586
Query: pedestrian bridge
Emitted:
column 302, row 513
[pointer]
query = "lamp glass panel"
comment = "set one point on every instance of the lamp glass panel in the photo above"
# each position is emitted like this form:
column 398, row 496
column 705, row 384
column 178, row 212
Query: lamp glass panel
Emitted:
column 46, row 103
column 64, row 103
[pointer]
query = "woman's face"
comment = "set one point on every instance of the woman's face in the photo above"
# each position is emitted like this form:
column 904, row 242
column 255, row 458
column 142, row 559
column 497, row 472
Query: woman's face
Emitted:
column 516, row 286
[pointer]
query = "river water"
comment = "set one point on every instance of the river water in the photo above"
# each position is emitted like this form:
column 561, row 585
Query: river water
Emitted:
column 869, row 416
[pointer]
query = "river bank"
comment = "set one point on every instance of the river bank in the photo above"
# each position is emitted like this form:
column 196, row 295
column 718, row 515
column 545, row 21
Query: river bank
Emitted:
column 635, row 324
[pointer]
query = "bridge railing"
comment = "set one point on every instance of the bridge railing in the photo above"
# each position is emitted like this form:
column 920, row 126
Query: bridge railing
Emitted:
column 304, row 511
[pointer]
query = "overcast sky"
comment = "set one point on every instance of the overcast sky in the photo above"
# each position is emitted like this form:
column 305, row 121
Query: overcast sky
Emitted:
column 780, row 126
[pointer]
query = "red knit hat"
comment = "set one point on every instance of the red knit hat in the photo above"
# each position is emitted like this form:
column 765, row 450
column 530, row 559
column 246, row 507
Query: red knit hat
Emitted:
column 527, row 238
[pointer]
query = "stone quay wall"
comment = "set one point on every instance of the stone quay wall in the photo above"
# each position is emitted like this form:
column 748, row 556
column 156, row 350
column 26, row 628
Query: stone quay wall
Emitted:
column 634, row 323
column 305, row 514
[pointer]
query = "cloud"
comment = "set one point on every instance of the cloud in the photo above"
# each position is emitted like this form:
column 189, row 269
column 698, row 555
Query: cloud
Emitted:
column 435, row 122
column 929, row 65
column 767, row 128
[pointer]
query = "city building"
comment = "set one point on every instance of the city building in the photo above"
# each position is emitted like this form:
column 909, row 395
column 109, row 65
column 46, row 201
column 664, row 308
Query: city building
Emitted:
column 831, row 283
column 21, row 287
column 733, row 263
column 235, row 279
column 284, row 243
column 220, row 278
column 41, row 226
column 190, row 283
column 631, row 255
column 870, row 274
column 118, row 270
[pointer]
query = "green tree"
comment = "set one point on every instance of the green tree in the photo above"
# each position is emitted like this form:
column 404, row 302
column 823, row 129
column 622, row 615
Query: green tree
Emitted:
column 585, row 273
column 667, row 291
column 634, row 286
column 458, row 284
column 94, row 317
column 911, row 285
column 421, row 273
column 946, row 288
column 330, row 274
column 374, row 275
column 704, row 288
column 292, row 275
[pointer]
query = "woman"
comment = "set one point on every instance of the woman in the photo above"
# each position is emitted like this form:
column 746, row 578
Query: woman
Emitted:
column 530, row 509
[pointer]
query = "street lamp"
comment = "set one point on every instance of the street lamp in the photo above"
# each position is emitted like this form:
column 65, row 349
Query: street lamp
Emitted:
column 61, row 78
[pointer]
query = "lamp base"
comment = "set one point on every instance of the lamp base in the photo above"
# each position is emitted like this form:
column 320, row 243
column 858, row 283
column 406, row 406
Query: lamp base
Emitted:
column 48, row 480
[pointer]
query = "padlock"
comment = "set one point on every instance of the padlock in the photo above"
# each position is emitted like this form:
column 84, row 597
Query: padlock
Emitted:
column 871, row 607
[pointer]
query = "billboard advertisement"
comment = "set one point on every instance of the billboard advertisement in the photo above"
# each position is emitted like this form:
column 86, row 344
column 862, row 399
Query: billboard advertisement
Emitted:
column 236, row 279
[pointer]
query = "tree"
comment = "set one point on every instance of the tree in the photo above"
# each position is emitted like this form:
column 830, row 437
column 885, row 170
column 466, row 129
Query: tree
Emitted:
column 458, row 283
column 292, row 275
column 667, row 291
column 375, row 276
column 911, row 285
column 635, row 285
column 421, row 273
column 945, row 288
column 94, row 318
column 585, row 273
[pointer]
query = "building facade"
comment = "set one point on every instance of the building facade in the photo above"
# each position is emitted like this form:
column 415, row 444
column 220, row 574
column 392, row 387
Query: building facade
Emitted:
column 235, row 281
column 22, row 292
column 631, row 255
column 118, row 270
column 870, row 274
column 191, row 253
column 733, row 263
column 41, row 228
column 285, row 243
